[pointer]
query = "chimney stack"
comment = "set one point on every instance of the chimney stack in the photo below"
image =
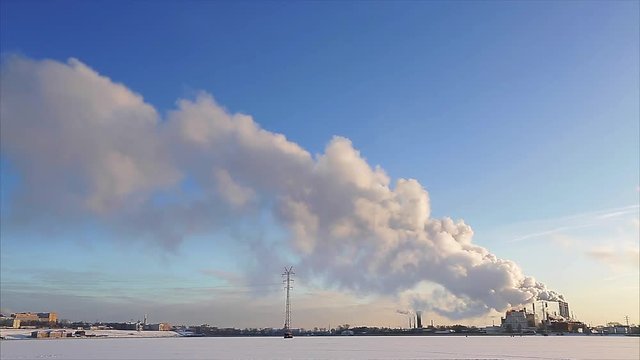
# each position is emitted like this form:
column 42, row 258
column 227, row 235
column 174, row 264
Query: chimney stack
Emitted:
column 534, row 313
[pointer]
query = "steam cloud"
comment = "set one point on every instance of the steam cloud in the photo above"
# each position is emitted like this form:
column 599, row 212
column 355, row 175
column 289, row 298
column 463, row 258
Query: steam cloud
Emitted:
column 87, row 147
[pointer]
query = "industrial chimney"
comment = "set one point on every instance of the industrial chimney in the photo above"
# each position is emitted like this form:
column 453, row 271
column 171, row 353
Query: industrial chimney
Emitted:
column 419, row 319
column 534, row 314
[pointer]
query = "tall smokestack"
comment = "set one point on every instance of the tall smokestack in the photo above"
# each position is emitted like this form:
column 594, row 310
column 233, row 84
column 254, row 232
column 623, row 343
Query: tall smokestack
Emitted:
column 419, row 319
column 546, row 311
column 534, row 313
column 564, row 309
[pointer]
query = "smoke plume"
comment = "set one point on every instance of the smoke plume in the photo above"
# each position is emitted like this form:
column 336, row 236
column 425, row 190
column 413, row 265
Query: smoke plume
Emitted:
column 86, row 147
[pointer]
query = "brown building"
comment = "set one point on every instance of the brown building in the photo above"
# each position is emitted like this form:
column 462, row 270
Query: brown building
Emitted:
column 158, row 327
column 567, row 326
column 39, row 334
column 56, row 334
column 30, row 317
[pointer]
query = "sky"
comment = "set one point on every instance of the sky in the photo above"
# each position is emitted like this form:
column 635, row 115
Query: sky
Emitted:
column 458, row 158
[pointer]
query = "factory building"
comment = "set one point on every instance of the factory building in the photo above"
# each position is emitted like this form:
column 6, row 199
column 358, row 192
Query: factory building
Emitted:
column 532, row 321
column 567, row 326
column 515, row 321
column 564, row 309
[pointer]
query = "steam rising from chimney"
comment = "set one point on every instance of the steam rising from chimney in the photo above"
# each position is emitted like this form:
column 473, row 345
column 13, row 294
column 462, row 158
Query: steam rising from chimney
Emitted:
column 93, row 148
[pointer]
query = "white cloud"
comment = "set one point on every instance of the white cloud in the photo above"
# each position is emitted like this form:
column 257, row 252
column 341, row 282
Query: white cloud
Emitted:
column 80, row 141
column 85, row 144
column 616, row 257
column 237, row 195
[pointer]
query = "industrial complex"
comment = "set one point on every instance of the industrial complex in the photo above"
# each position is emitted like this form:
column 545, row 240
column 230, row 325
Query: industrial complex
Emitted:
column 538, row 318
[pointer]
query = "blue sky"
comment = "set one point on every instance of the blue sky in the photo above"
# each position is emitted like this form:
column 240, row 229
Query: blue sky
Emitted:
column 512, row 115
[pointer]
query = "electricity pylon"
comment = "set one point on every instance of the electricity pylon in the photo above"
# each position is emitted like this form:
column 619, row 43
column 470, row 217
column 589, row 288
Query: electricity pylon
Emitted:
column 287, row 317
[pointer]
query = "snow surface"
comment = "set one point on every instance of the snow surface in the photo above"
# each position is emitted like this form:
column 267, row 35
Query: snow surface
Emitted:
column 432, row 347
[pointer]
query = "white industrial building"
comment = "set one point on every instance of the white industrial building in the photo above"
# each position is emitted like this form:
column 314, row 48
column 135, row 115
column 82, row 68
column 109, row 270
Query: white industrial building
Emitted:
column 515, row 321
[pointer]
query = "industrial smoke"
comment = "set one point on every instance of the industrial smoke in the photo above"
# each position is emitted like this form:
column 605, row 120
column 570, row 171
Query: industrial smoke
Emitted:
column 87, row 147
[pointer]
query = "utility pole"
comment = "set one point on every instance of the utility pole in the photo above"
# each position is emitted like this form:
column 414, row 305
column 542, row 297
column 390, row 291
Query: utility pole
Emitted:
column 287, row 317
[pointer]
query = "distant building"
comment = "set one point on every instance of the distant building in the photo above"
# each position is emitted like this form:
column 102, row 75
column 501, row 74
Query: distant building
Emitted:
column 616, row 329
column 566, row 326
column 57, row 333
column 42, row 317
column 7, row 322
column 40, row 334
column 158, row 327
column 515, row 321
column 531, row 320
column 419, row 319
column 124, row 326
column 492, row 330
column 564, row 309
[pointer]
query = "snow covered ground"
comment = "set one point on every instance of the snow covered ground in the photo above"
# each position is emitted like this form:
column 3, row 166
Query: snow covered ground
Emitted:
column 19, row 334
column 473, row 347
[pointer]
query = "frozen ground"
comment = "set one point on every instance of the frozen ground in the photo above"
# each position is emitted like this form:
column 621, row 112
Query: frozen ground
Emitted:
column 476, row 347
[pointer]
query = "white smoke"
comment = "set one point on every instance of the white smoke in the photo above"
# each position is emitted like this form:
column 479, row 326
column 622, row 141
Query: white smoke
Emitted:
column 85, row 146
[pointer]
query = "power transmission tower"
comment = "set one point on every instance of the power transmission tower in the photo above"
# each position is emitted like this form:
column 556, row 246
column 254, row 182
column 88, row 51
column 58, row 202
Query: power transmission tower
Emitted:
column 626, row 317
column 287, row 317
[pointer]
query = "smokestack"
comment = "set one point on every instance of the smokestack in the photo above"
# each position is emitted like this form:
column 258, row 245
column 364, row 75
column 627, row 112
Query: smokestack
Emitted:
column 419, row 319
column 564, row 309
column 546, row 311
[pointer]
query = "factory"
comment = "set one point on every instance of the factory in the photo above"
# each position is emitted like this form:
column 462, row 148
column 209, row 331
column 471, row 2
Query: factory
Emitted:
column 522, row 321
column 518, row 321
column 564, row 309
column 415, row 323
